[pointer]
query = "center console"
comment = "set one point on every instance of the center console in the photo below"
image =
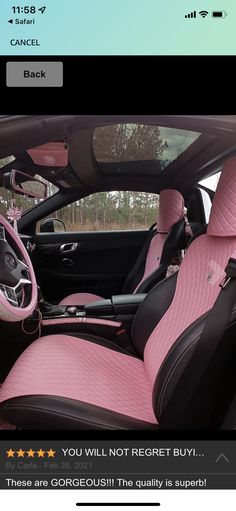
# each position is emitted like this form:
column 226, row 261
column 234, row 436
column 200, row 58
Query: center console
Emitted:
column 124, row 305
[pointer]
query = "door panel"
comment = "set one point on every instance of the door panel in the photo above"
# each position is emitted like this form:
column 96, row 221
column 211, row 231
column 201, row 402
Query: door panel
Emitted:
column 99, row 263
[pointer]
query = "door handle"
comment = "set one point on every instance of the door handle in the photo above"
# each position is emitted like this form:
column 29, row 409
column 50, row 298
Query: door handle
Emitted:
column 69, row 248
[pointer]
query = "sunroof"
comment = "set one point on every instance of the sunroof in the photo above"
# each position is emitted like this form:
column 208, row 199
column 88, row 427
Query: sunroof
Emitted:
column 139, row 142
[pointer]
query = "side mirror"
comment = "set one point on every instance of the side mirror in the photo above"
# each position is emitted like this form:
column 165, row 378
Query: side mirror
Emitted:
column 52, row 225
column 23, row 184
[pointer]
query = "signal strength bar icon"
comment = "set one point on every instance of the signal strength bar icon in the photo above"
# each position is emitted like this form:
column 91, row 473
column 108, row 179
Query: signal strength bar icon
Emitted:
column 191, row 15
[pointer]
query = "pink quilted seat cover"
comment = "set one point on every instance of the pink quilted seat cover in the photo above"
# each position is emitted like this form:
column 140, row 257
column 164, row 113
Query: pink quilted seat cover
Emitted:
column 61, row 365
column 200, row 273
column 74, row 368
column 197, row 289
column 222, row 221
column 80, row 299
column 153, row 256
column 84, row 320
column 171, row 209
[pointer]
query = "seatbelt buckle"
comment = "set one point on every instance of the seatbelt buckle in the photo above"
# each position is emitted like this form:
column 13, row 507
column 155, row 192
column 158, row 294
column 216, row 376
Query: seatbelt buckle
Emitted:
column 230, row 271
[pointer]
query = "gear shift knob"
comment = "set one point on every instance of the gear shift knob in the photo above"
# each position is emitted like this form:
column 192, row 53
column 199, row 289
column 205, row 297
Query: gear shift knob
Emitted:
column 71, row 310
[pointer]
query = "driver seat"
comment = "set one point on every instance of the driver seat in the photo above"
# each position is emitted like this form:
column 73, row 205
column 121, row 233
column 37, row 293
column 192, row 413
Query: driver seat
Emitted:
column 62, row 381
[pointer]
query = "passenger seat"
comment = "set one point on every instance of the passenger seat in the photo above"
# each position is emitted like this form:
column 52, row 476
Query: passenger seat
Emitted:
column 162, row 246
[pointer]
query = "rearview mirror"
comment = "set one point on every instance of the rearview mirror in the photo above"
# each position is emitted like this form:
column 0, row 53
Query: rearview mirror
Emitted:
column 23, row 184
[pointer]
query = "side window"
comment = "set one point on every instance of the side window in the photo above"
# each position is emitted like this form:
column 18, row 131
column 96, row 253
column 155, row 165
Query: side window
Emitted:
column 210, row 183
column 206, row 201
column 111, row 211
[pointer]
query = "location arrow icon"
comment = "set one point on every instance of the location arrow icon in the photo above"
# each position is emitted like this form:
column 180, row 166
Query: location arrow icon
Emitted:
column 10, row 21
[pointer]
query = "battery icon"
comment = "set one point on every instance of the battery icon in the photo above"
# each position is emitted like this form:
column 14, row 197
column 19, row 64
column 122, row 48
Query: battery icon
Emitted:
column 218, row 14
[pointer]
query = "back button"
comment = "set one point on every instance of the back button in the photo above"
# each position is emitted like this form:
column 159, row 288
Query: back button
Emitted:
column 34, row 74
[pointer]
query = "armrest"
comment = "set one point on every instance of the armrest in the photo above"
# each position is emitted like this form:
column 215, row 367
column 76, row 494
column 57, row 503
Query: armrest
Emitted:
column 99, row 308
column 127, row 304
column 118, row 304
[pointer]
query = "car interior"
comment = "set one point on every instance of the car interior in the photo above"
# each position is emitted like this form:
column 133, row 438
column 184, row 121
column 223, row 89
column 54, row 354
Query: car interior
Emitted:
column 117, row 326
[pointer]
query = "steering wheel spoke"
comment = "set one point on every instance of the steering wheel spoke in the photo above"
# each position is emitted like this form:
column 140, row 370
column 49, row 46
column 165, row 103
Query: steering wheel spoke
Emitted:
column 25, row 282
column 10, row 294
column 23, row 268
column 15, row 295
column 22, row 265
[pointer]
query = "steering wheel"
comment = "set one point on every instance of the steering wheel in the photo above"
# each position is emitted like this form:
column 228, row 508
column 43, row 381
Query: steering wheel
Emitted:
column 18, row 287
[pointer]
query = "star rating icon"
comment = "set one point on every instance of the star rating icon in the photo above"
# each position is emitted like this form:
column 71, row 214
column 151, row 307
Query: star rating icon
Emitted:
column 31, row 453
column 10, row 453
column 51, row 453
column 20, row 453
column 41, row 453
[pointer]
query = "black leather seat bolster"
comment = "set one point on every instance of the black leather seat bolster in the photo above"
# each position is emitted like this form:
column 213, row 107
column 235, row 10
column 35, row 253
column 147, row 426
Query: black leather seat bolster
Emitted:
column 174, row 363
column 152, row 309
column 154, row 278
column 175, row 242
column 136, row 273
column 52, row 412
column 178, row 357
column 230, row 418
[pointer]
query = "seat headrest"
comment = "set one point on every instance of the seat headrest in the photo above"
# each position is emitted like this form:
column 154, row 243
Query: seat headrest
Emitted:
column 222, row 221
column 171, row 209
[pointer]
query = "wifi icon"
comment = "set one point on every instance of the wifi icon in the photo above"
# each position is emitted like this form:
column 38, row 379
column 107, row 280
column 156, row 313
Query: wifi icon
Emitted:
column 203, row 13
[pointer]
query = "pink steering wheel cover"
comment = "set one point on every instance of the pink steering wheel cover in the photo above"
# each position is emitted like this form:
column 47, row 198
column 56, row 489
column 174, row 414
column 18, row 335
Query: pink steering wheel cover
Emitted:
column 7, row 311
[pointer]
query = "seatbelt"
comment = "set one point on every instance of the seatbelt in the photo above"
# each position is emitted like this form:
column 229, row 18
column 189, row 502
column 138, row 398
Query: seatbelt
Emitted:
column 134, row 276
column 189, row 406
column 152, row 226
